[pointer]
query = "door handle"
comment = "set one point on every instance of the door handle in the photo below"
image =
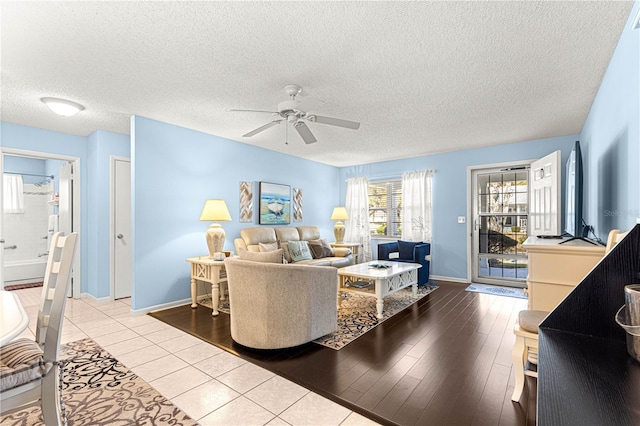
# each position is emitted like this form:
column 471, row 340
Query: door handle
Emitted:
column 120, row 236
column 1, row 241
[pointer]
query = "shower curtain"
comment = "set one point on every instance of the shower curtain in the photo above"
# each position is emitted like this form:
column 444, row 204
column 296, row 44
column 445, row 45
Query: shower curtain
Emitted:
column 13, row 193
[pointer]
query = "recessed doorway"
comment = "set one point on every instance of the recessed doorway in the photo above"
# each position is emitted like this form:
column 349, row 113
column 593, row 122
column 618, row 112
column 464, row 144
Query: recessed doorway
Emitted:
column 500, row 204
column 41, row 195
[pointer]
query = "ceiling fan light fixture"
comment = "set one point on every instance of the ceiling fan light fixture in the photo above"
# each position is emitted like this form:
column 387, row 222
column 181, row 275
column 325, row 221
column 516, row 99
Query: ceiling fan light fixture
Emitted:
column 62, row 107
column 294, row 112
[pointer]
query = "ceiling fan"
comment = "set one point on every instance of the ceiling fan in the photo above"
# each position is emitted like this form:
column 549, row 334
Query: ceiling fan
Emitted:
column 294, row 111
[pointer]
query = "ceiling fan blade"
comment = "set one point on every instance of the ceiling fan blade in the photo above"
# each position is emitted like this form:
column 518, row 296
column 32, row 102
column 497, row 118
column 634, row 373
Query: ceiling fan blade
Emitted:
column 261, row 128
column 334, row 122
column 304, row 132
column 250, row 110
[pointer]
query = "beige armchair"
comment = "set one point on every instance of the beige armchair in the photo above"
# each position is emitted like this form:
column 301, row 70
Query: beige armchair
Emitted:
column 275, row 306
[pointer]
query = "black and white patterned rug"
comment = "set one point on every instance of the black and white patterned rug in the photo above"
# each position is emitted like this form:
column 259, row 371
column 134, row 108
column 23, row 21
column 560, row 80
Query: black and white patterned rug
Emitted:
column 99, row 391
column 357, row 314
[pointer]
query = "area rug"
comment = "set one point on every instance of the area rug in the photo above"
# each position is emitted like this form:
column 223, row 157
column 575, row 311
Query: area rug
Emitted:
column 357, row 314
column 99, row 390
column 22, row 286
column 498, row 290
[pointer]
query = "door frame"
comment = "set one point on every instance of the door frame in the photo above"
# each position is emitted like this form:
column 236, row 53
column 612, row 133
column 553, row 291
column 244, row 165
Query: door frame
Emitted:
column 75, row 208
column 112, row 223
column 471, row 260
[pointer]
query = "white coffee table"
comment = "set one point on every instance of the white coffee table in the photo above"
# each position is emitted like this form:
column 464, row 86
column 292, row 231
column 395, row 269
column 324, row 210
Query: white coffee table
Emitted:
column 384, row 282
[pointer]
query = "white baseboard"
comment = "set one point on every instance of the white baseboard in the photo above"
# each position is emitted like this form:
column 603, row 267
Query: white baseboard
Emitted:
column 96, row 299
column 143, row 311
column 161, row 307
column 452, row 279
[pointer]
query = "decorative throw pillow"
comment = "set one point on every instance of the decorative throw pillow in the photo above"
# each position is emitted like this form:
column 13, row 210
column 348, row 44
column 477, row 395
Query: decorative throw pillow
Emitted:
column 320, row 248
column 285, row 248
column 405, row 249
column 299, row 250
column 266, row 257
column 268, row 246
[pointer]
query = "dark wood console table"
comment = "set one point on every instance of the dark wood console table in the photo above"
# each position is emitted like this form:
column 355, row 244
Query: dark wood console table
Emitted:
column 585, row 375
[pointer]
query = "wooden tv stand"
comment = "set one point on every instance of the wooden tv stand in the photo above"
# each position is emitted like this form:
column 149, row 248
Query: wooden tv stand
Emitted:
column 555, row 268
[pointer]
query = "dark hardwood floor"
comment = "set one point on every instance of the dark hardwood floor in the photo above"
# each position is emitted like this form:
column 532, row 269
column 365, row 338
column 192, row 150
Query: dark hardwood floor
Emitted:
column 445, row 360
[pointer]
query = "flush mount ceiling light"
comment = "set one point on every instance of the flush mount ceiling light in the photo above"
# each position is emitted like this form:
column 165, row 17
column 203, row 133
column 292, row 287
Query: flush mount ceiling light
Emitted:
column 62, row 106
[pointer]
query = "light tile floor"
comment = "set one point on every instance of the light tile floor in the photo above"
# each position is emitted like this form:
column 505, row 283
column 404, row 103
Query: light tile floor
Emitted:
column 212, row 386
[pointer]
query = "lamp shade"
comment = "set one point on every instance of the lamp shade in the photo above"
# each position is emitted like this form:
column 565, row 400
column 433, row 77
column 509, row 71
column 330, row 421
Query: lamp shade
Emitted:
column 215, row 210
column 339, row 213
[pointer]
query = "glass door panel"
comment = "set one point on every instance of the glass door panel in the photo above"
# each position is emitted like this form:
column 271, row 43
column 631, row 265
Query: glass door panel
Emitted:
column 501, row 209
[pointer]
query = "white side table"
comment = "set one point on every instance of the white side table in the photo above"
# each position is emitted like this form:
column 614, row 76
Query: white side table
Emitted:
column 206, row 269
column 356, row 249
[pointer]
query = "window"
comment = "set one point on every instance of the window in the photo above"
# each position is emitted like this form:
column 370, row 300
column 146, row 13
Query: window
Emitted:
column 385, row 208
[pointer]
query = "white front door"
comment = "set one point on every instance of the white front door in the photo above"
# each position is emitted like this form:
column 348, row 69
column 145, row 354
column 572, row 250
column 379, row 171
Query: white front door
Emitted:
column 545, row 214
column 500, row 211
column 121, row 211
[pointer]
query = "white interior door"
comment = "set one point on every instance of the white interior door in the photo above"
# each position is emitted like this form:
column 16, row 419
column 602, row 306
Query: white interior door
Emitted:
column 545, row 212
column 2, row 222
column 65, row 212
column 121, row 213
column 65, row 189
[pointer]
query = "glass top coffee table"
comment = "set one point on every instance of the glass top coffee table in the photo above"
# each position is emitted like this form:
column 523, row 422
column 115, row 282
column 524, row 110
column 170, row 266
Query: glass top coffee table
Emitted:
column 378, row 279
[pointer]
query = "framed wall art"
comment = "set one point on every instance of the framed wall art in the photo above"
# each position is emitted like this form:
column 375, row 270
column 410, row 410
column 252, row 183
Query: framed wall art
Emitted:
column 246, row 202
column 297, row 204
column 275, row 204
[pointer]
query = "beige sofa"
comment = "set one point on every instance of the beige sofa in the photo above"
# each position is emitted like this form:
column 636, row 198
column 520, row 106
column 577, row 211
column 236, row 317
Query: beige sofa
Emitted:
column 251, row 239
column 275, row 306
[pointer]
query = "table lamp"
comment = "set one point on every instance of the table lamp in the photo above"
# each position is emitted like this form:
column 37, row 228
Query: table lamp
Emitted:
column 339, row 214
column 215, row 210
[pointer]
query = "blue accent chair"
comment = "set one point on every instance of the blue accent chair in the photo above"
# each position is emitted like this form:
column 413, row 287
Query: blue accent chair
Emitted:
column 410, row 252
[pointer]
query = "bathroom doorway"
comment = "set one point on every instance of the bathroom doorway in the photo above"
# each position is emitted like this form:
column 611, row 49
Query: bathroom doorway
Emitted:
column 40, row 196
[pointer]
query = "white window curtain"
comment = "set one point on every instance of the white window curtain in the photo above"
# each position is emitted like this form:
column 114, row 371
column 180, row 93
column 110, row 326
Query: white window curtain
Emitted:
column 357, row 205
column 416, row 206
column 13, row 193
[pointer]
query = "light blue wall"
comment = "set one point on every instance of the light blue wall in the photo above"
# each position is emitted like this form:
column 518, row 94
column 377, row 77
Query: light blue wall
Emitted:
column 611, row 140
column 449, row 244
column 25, row 165
column 174, row 170
column 48, row 142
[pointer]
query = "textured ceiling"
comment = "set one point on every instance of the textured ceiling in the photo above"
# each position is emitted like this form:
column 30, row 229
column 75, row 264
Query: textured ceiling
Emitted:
column 421, row 77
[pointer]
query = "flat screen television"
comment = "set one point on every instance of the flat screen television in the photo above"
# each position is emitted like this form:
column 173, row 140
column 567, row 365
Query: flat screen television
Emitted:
column 573, row 193
column 573, row 223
